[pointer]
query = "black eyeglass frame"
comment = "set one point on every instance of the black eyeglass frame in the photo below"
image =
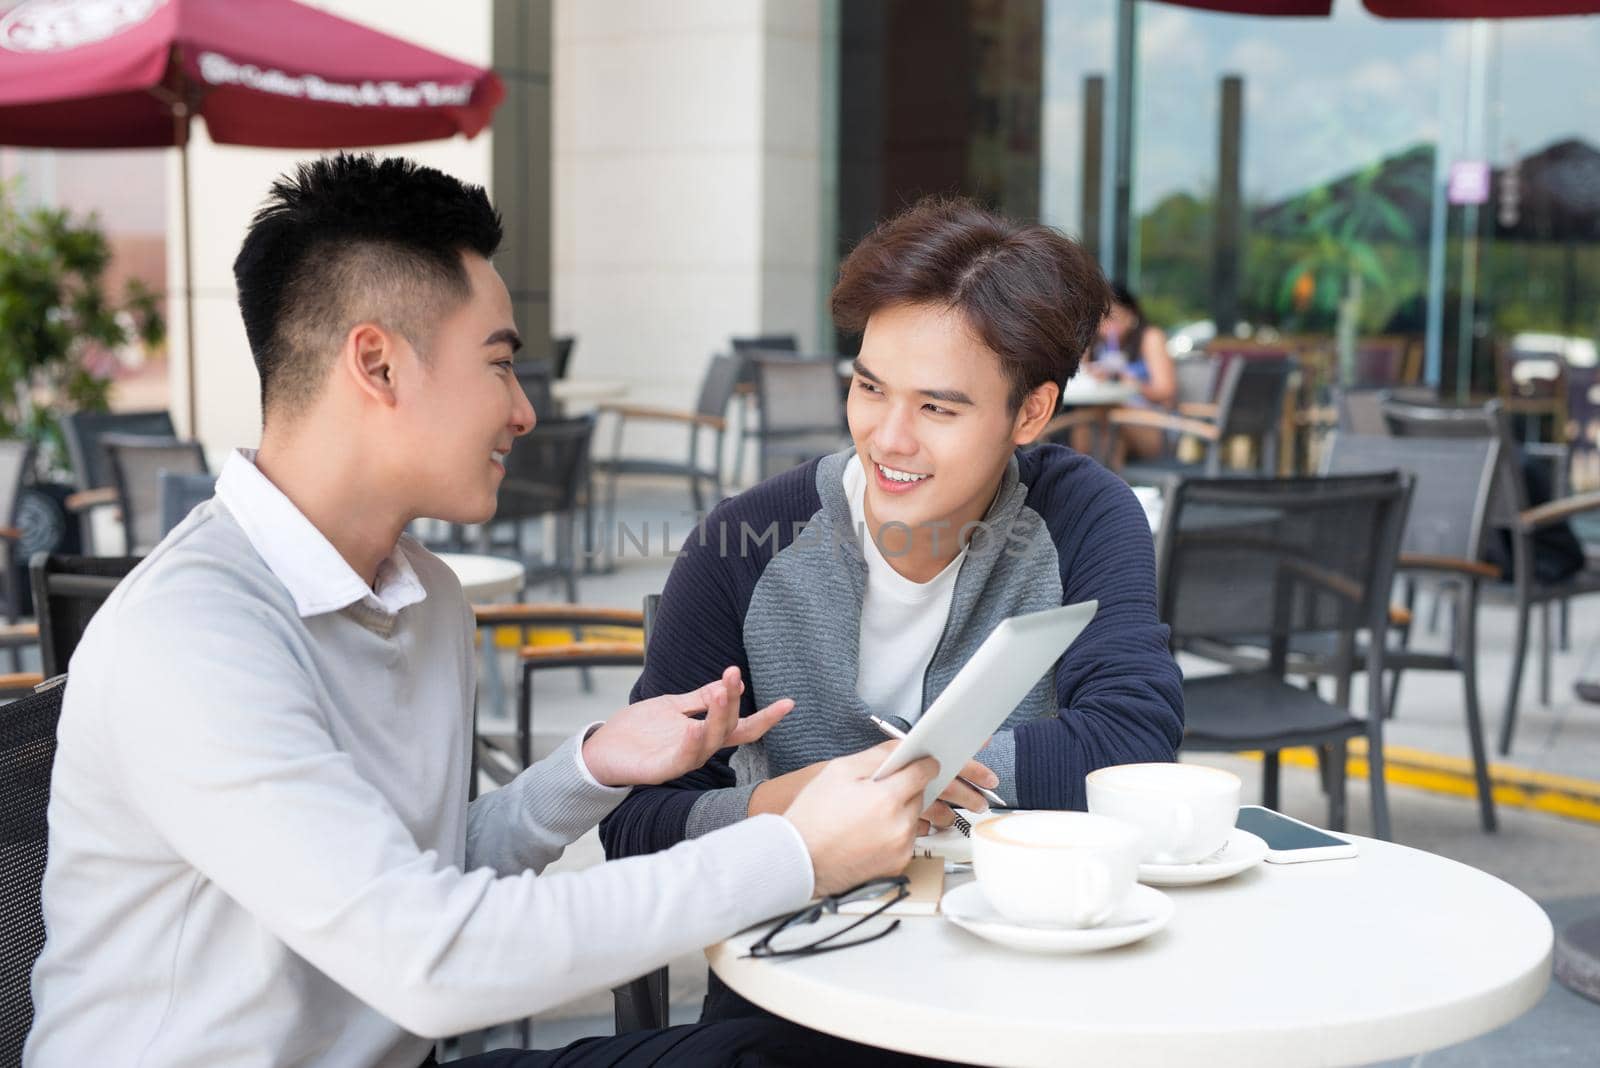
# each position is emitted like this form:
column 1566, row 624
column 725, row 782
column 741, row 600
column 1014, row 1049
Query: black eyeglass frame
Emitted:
column 828, row 906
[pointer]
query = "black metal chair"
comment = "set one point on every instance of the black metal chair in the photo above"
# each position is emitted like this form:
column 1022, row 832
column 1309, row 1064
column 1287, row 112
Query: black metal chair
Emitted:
column 547, row 474
column 1249, row 404
column 1510, row 511
column 27, row 752
column 91, row 470
column 1441, row 546
column 136, row 463
column 1262, row 561
column 744, row 348
column 535, row 378
column 709, row 413
column 16, row 464
column 503, row 758
column 802, row 415
column 561, row 355
column 67, row 592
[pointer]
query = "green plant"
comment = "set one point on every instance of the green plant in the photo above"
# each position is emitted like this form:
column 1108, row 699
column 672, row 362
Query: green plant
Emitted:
column 59, row 331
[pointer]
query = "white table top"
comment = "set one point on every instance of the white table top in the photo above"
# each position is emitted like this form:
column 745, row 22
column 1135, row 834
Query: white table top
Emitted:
column 581, row 391
column 1084, row 390
column 485, row 577
column 1328, row 963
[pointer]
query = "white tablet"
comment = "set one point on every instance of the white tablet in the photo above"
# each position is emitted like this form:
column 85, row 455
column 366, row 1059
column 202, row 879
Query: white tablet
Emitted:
column 984, row 692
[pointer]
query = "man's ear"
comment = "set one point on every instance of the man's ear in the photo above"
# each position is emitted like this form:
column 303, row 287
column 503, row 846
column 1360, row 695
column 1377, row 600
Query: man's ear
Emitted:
column 1038, row 408
column 369, row 360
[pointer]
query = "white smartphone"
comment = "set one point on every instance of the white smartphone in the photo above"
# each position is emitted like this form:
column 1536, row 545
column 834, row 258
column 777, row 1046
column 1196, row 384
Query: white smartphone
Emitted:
column 1290, row 841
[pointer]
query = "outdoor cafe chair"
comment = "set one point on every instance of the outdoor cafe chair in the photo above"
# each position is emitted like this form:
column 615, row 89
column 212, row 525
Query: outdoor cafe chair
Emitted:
column 1262, row 561
column 547, row 474
column 1510, row 511
column 802, row 413
column 1250, row 398
column 744, row 388
column 136, row 463
column 16, row 464
column 708, row 414
column 67, row 592
column 1442, row 545
column 27, row 752
column 91, row 469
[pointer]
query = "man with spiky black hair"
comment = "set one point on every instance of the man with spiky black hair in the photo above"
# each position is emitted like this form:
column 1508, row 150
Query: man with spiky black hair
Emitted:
column 261, row 849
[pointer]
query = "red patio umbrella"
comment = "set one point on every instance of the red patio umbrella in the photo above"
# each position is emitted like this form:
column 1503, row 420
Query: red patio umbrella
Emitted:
column 271, row 73
column 1479, row 9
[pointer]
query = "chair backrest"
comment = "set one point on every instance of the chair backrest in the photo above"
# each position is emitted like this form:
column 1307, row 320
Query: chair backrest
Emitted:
column 16, row 460
column 27, row 753
column 798, row 396
column 716, row 388
column 136, row 464
column 1380, row 362
column 1489, row 421
column 1197, row 379
column 561, row 355
column 802, row 415
column 744, row 348
column 1242, row 558
column 1250, row 396
column 534, row 375
column 67, row 592
column 546, row 469
column 83, row 431
column 181, row 493
column 1453, row 485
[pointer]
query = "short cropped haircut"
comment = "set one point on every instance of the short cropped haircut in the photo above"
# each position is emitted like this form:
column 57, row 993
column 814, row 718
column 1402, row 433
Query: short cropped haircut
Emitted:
column 346, row 239
column 1029, row 292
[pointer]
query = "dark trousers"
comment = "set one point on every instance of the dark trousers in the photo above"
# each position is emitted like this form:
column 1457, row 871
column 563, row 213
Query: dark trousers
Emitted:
column 732, row 1033
column 763, row 1041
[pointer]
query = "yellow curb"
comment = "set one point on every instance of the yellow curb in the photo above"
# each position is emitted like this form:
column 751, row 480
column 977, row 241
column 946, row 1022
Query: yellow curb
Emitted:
column 1513, row 787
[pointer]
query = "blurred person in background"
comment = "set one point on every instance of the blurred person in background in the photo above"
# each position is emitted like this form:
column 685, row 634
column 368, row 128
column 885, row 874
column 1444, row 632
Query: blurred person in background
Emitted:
column 1132, row 350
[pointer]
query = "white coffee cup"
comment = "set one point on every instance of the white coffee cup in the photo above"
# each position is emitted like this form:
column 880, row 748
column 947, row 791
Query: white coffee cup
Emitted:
column 1185, row 811
column 1055, row 869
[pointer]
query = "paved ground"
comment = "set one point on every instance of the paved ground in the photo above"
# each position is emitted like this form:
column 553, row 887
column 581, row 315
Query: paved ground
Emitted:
column 1553, row 859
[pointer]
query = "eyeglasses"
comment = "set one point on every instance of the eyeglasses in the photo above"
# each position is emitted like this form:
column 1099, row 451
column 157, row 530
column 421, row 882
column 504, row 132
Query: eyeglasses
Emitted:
column 781, row 940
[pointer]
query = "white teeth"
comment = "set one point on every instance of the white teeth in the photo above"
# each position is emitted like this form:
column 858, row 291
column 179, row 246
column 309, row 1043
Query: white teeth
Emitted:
column 900, row 476
column 498, row 457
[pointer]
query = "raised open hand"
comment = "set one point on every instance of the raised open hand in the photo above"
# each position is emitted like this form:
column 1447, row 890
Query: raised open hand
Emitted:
column 658, row 739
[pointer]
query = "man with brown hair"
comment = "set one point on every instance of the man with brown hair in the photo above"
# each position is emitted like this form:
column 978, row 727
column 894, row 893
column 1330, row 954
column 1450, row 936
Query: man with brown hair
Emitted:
column 971, row 323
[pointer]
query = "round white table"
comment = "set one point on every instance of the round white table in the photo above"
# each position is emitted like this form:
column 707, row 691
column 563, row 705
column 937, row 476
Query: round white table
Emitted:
column 486, row 577
column 1084, row 390
column 1329, row 963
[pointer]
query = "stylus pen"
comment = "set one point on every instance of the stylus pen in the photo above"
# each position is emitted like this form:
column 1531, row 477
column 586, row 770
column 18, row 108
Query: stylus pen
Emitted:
column 990, row 796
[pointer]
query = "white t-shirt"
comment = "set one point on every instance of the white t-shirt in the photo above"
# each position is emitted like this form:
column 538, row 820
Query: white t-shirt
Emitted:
column 901, row 620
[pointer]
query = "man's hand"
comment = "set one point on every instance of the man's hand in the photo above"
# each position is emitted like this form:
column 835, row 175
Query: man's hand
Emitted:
column 959, row 795
column 856, row 829
column 656, row 740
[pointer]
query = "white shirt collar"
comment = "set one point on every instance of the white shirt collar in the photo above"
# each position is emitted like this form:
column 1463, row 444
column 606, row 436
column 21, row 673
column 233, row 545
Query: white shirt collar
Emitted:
column 305, row 561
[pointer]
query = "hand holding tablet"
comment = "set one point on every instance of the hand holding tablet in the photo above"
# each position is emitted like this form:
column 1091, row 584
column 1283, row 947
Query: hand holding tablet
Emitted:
column 984, row 692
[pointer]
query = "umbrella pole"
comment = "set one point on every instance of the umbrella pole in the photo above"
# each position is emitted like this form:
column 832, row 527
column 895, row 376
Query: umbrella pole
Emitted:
column 181, row 120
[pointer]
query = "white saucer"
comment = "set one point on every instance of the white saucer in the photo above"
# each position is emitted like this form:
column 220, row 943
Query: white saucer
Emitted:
column 1243, row 852
column 1144, row 913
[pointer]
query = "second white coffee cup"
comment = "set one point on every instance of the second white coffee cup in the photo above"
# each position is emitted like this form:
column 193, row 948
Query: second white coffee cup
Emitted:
column 1055, row 869
column 1185, row 811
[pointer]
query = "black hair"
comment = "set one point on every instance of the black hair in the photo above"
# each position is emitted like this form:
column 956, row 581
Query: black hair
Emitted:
column 1133, row 340
column 346, row 238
